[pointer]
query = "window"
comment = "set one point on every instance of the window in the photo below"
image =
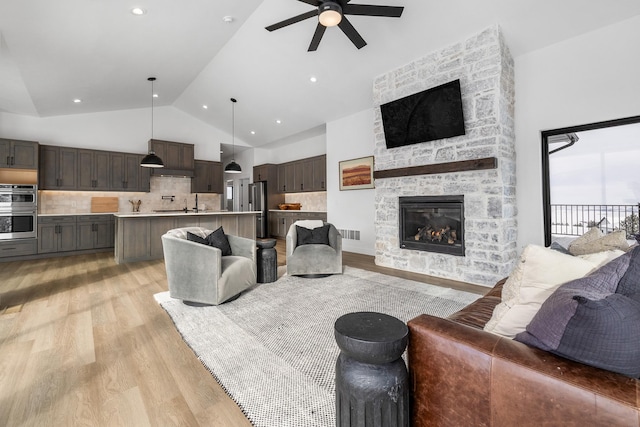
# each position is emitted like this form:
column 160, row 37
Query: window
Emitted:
column 591, row 178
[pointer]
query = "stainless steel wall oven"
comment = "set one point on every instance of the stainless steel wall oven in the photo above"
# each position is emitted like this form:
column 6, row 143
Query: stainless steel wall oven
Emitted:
column 18, row 211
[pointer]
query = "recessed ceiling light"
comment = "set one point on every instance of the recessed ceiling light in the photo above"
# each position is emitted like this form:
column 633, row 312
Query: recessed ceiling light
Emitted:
column 313, row 79
column 253, row 132
column 138, row 11
column 77, row 100
column 278, row 121
column 228, row 19
column 155, row 95
column 205, row 107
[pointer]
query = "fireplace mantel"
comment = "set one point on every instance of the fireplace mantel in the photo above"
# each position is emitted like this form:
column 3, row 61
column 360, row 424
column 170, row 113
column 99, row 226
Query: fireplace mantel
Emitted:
column 459, row 166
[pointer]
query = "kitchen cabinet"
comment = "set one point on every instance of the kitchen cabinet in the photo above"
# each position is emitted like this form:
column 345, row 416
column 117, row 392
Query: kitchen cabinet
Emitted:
column 18, row 154
column 127, row 174
column 18, row 247
column 93, row 170
column 207, row 177
column 176, row 156
column 94, row 231
column 319, row 165
column 56, row 234
column 58, row 168
column 302, row 175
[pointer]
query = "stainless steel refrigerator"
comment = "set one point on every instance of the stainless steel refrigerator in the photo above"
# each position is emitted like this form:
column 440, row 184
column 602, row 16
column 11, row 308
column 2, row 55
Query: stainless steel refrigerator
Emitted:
column 258, row 202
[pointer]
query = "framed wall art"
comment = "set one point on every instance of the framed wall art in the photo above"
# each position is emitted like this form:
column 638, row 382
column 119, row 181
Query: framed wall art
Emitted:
column 356, row 174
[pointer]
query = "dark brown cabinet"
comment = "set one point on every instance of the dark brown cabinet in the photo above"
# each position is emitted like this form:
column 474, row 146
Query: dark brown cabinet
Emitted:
column 58, row 168
column 56, row 234
column 95, row 232
column 176, row 156
column 303, row 175
column 207, row 177
column 126, row 173
column 18, row 154
column 93, row 170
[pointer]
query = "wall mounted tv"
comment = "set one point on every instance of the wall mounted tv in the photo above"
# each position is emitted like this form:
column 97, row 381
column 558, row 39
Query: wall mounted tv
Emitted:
column 435, row 113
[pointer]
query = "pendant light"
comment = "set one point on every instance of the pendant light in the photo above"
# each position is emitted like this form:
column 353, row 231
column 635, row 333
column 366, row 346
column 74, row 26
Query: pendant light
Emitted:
column 233, row 167
column 151, row 160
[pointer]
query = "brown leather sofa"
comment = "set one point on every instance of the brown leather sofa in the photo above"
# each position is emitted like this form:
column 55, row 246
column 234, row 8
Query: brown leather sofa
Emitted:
column 464, row 376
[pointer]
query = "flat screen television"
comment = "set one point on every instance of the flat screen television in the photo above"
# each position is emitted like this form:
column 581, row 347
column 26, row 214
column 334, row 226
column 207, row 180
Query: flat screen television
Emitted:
column 432, row 114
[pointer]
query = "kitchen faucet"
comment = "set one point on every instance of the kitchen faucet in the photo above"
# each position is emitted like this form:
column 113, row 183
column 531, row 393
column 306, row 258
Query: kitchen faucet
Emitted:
column 196, row 208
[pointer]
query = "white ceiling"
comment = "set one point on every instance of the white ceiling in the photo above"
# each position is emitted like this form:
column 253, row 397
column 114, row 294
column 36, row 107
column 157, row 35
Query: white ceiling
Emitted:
column 54, row 51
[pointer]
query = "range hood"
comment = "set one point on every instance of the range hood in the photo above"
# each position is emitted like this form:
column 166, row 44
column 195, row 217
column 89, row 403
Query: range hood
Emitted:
column 179, row 173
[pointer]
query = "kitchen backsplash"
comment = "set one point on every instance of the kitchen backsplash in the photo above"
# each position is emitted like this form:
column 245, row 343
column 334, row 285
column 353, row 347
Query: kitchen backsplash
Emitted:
column 78, row 202
column 316, row 201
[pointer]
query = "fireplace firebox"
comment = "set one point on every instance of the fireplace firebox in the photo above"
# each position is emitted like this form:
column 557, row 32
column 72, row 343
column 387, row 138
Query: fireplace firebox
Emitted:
column 433, row 224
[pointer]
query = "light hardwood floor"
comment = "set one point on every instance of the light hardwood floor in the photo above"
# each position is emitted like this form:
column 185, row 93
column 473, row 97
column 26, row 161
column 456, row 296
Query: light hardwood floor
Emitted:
column 83, row 342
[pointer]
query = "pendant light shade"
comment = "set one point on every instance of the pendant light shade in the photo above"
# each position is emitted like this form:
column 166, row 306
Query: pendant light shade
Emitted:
column 233, row 167
column 151, row 160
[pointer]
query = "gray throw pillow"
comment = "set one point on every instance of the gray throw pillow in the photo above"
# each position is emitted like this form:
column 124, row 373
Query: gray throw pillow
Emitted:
column 217, row 239
column 316, row 236
column 587, row 321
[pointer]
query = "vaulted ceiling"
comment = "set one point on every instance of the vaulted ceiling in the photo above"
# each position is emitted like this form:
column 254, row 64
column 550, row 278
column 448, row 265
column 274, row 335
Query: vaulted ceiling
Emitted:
column 52, row 52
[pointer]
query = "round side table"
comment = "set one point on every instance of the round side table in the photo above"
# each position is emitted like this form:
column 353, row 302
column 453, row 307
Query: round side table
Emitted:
column 267, row 260
column 372, row 383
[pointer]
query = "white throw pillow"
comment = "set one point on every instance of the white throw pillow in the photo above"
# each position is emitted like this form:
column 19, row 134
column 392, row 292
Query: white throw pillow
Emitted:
column 601, row 258
column 539, row 272
column 607, row 242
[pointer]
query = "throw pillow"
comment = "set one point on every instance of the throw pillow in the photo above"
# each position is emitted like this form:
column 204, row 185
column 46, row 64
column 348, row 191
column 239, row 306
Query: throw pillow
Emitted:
column 217, row 239
column 558, row 247
column 538, row 273
column 318, row 235
column 611, row 241
column 586, row 321
column 629, row 284
column 310, row 223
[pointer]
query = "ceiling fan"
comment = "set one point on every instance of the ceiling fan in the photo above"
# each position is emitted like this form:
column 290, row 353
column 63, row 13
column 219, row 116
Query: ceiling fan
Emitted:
column 332, row 12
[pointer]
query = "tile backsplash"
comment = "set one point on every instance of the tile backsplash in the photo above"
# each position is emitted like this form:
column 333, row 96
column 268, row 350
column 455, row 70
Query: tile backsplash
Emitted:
column 316, row 201
column 78, row 202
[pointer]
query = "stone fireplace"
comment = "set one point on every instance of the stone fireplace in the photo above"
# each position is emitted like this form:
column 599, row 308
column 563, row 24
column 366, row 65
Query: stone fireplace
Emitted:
column 485, row 247
column 432, row 224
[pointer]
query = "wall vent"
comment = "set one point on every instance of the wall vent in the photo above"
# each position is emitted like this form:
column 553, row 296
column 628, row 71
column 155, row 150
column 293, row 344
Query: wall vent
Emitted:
column 350, row 234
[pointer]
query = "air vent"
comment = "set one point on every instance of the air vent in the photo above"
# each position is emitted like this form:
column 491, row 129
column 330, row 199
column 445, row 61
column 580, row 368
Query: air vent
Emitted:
column 350, row 234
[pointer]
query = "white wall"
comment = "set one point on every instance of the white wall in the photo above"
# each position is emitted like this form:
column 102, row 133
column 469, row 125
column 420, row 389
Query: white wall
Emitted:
column 306, row 147
column 123, row 130
column 350, row 138
column 583, row 80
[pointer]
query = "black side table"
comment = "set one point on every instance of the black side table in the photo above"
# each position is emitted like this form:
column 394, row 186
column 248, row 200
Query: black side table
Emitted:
column 372, row 383
column 267, row 260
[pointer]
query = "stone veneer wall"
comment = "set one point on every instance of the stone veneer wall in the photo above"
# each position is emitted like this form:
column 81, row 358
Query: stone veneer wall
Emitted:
column 485, row 69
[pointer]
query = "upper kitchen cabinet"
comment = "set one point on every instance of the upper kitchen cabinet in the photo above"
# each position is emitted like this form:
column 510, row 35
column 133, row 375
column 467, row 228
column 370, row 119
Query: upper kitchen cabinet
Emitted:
column 93, row 170
column 18, row 154
column 58, row 168
column 207, row 177
column 126, row 173
column 176, row 156
column 302, row 175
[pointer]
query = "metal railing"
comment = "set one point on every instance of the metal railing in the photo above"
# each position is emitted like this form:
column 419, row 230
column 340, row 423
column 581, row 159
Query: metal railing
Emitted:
column 575, row 220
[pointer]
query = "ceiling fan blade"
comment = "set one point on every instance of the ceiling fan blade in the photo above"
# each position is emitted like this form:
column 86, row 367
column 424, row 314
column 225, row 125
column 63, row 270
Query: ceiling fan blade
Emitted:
column 317, row 36
column 351, row 32
column 293, row 20
column 371, row 10
column 315, row 3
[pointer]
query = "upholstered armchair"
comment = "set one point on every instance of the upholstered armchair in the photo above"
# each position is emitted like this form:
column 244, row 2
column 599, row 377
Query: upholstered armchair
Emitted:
column 199, row 273
column 311, row 252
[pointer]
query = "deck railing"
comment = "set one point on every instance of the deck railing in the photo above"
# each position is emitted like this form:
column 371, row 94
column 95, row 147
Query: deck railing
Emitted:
column 574, row 220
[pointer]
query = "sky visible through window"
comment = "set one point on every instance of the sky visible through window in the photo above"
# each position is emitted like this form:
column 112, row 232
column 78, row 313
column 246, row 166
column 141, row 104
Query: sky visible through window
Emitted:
column 601, row 168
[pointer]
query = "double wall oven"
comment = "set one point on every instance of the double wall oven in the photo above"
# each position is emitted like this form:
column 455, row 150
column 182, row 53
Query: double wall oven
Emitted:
column 18, row 211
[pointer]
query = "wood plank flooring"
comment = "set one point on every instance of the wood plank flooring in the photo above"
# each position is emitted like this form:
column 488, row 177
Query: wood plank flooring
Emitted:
column 83, row 342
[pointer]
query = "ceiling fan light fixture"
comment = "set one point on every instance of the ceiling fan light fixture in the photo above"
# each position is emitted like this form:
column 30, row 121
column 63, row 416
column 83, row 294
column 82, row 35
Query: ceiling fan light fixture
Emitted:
column 330, row 14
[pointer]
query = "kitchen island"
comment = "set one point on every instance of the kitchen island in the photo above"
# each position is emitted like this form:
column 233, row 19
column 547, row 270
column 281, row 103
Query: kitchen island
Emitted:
column 138, row 235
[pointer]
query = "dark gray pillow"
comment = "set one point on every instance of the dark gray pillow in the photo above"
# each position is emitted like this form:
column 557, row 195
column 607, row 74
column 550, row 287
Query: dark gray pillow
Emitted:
column 586, row 321
column 629, row 285
column 558, row 247
column 316, row 236
column 217, row 239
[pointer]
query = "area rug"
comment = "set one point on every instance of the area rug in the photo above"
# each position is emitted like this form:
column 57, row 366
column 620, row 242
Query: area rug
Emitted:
column 273, row 349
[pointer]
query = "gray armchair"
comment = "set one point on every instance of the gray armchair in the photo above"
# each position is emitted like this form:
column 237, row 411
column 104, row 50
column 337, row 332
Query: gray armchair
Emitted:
column 314, row 259
column 199, row 273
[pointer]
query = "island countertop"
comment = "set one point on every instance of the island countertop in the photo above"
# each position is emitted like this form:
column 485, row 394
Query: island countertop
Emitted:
column 179, row 213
